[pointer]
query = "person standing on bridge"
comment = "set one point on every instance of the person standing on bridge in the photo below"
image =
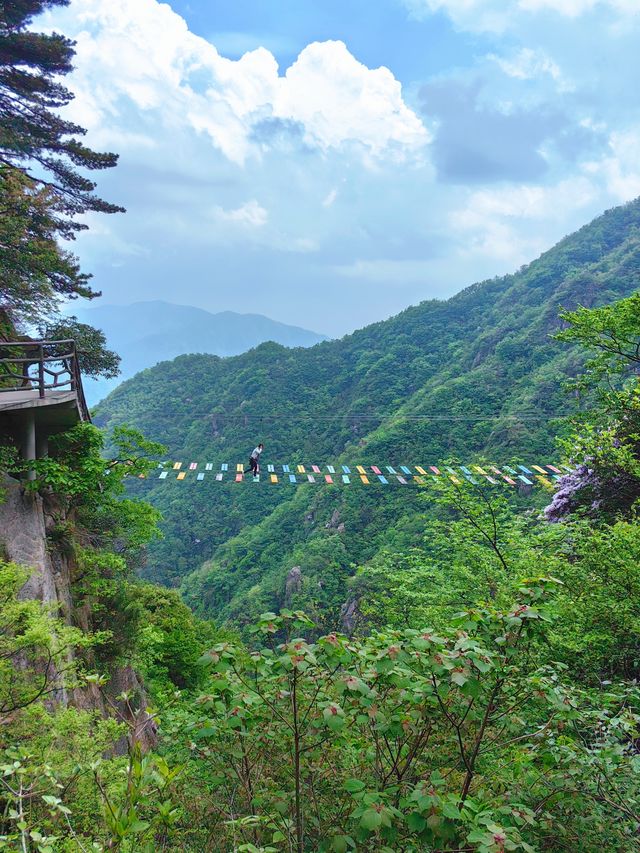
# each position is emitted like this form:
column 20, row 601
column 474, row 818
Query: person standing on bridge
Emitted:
column 254, row 460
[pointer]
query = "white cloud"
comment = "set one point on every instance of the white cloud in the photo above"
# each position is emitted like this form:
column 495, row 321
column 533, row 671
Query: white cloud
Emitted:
column 250, row 214
column 140, row 57
column 330, row 198
column 387, row 271
column 527, row 64
column 574, row 8
column 301, row 244
column 338, row 98
column 620, row 167
column 496, row 15
column 500, row 223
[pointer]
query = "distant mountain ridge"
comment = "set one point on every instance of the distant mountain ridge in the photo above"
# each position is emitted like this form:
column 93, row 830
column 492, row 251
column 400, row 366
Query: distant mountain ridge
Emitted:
column 145, row 333
column 477, row 374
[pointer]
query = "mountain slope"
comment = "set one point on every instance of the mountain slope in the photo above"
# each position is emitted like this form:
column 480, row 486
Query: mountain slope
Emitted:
column 146, row 333
column 478, row 373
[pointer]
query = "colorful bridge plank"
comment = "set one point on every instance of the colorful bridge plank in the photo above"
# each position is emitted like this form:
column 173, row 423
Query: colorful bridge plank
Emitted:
column 542, row 474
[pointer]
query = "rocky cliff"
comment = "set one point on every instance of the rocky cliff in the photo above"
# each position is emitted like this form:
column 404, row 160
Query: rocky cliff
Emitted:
column 26, row 522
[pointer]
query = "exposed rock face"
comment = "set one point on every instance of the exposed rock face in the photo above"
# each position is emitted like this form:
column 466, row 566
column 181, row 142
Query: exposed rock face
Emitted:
column 334, row 521
column 292, row 584
column 350, row 616
column 23, row 540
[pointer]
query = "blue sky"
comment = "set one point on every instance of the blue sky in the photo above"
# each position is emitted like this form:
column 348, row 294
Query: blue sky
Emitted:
column 329, row 163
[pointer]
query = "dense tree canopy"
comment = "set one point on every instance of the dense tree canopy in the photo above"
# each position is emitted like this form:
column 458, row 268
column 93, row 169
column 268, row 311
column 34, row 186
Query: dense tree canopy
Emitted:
column 480, row 374
column 43, row 185
column 32, row 131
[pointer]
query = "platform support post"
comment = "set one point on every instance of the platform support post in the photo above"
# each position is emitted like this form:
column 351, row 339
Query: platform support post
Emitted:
column 29, row 442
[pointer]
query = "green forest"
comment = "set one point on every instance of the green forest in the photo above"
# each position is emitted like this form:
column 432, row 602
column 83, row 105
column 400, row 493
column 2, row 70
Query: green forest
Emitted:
column 451, row 669
column 479, row 375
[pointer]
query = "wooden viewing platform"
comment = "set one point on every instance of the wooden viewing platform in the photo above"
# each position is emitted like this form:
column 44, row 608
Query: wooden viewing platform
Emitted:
column 40, row 393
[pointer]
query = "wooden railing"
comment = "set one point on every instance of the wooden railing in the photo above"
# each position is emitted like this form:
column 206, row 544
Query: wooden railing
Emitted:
column 42, row 366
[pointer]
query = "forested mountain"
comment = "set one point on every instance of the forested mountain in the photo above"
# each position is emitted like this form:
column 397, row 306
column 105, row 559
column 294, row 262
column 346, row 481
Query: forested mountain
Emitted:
column 148, row 332
column 483, row 694
column 476, row 374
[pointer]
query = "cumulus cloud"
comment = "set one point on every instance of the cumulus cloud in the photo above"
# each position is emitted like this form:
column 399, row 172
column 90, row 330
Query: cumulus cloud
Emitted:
column 321, row 179
column 143, row 54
